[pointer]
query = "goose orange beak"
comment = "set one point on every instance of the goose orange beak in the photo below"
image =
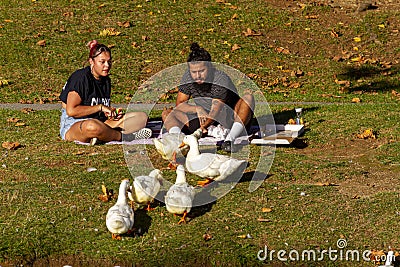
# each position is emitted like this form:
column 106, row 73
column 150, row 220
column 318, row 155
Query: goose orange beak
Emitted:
column 182, row 145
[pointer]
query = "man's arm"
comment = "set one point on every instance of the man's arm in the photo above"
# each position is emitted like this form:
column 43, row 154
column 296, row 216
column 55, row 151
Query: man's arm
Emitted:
column 182, row 103
column 216, row 107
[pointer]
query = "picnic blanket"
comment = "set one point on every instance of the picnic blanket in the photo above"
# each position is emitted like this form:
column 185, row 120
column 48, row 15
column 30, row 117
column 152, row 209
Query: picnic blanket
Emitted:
column 217, row 136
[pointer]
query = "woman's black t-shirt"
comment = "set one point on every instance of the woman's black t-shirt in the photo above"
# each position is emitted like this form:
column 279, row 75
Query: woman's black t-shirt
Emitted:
column 92, row 91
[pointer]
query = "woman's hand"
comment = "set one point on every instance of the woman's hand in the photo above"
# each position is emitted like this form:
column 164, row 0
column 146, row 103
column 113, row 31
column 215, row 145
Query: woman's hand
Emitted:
column 108, row 111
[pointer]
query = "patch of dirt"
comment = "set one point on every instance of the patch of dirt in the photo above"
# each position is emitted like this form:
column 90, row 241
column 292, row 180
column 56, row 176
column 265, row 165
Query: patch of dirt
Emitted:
column 342, row 14
column 361, row 172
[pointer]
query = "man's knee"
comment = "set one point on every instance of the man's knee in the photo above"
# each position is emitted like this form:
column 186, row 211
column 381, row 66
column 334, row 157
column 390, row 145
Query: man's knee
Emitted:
column 165, row 113
column 249, row 100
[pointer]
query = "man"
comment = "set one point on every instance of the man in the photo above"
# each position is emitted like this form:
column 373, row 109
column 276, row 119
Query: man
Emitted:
column 215, row 101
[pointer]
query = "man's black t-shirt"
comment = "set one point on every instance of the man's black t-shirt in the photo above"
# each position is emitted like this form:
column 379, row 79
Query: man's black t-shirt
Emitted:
column 218, row 85
column 92, row 91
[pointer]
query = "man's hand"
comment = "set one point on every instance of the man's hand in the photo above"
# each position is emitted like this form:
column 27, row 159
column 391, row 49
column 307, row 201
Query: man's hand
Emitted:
column 202, row 115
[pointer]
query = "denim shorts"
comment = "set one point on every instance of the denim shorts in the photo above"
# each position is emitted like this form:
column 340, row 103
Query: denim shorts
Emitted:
column 66, row 123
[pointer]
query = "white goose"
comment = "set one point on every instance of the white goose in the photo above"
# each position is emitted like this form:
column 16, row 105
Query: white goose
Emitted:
column 168, row 145
column 146, row 187
column 213, row 167
column 179, row 198
column 120, row 217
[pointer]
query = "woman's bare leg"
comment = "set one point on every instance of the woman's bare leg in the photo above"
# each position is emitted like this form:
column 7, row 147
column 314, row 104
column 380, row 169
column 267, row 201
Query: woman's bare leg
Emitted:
column 130, row 122
column 85, row 130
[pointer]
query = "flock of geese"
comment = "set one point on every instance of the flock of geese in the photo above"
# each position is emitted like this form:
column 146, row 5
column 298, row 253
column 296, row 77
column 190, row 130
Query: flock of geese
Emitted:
column 179, row 197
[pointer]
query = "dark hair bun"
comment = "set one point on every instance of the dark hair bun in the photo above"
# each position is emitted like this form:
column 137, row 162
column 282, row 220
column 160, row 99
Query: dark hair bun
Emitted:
column 198, row 53
column 194, row 47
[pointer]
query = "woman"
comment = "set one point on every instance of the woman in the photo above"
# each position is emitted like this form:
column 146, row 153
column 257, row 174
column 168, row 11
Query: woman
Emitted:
column 87, row 115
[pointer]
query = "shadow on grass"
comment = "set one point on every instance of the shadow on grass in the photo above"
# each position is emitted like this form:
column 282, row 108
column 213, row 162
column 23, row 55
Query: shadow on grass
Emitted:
column 378, row 77
column 142, row 222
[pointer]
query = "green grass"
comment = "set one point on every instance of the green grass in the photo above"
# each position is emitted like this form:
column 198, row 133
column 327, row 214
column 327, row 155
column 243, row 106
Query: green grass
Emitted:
column 49, row 210
column 50, row 207
column 38, row 73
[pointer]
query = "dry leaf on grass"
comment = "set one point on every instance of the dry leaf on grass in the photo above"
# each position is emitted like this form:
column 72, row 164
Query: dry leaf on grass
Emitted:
column 282, row 50
column 266, row 209
column 41, row 43
column 11, row 145
column 14, row 120
column 235, row 47
column 207, row 237
column 367, row 134
column 263, row 220
column 325, row 184
column 3, row 83
column 125, row 24
column 344, row 83
column 109, row 32
column 27, row 110
column 356, row 100
column 107, row 194
column 250, row 32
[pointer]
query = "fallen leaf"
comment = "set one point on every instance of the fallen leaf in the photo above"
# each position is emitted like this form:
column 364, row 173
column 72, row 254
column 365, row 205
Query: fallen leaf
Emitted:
column 68, row 14
column 11, row 145
column 41, row 43
column 234, row 16
column 266, row 209
column 107, row 194
column 311, row 17
column 334, row 33
column 3, row 82
column 294, row 85
column 237, row 214
column 145, row 38
column 125, row 24
column 263, row 220
column 207, row 237
column 357, row 59
column 344, row 83
column 109, row 32
column 235, row 47
column 377, row 255
column 18, row 124
column 367, row 134
column 297, row 73
column 252, row 76
column 357, row 39
column 282, row 50
column 325, row 184
column 356, row 100
column 14, row 120
column 250, row 32
column 395, row 93
column 27, row 110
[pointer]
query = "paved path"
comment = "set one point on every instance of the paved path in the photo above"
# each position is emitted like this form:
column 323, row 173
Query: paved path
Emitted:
column 18, row 106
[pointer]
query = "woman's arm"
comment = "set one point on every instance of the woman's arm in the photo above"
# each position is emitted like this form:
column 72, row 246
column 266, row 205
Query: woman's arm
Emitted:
column 76, row 110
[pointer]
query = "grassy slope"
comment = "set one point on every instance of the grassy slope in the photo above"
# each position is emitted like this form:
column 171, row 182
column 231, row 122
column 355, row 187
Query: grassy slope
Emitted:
column 49, row 205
